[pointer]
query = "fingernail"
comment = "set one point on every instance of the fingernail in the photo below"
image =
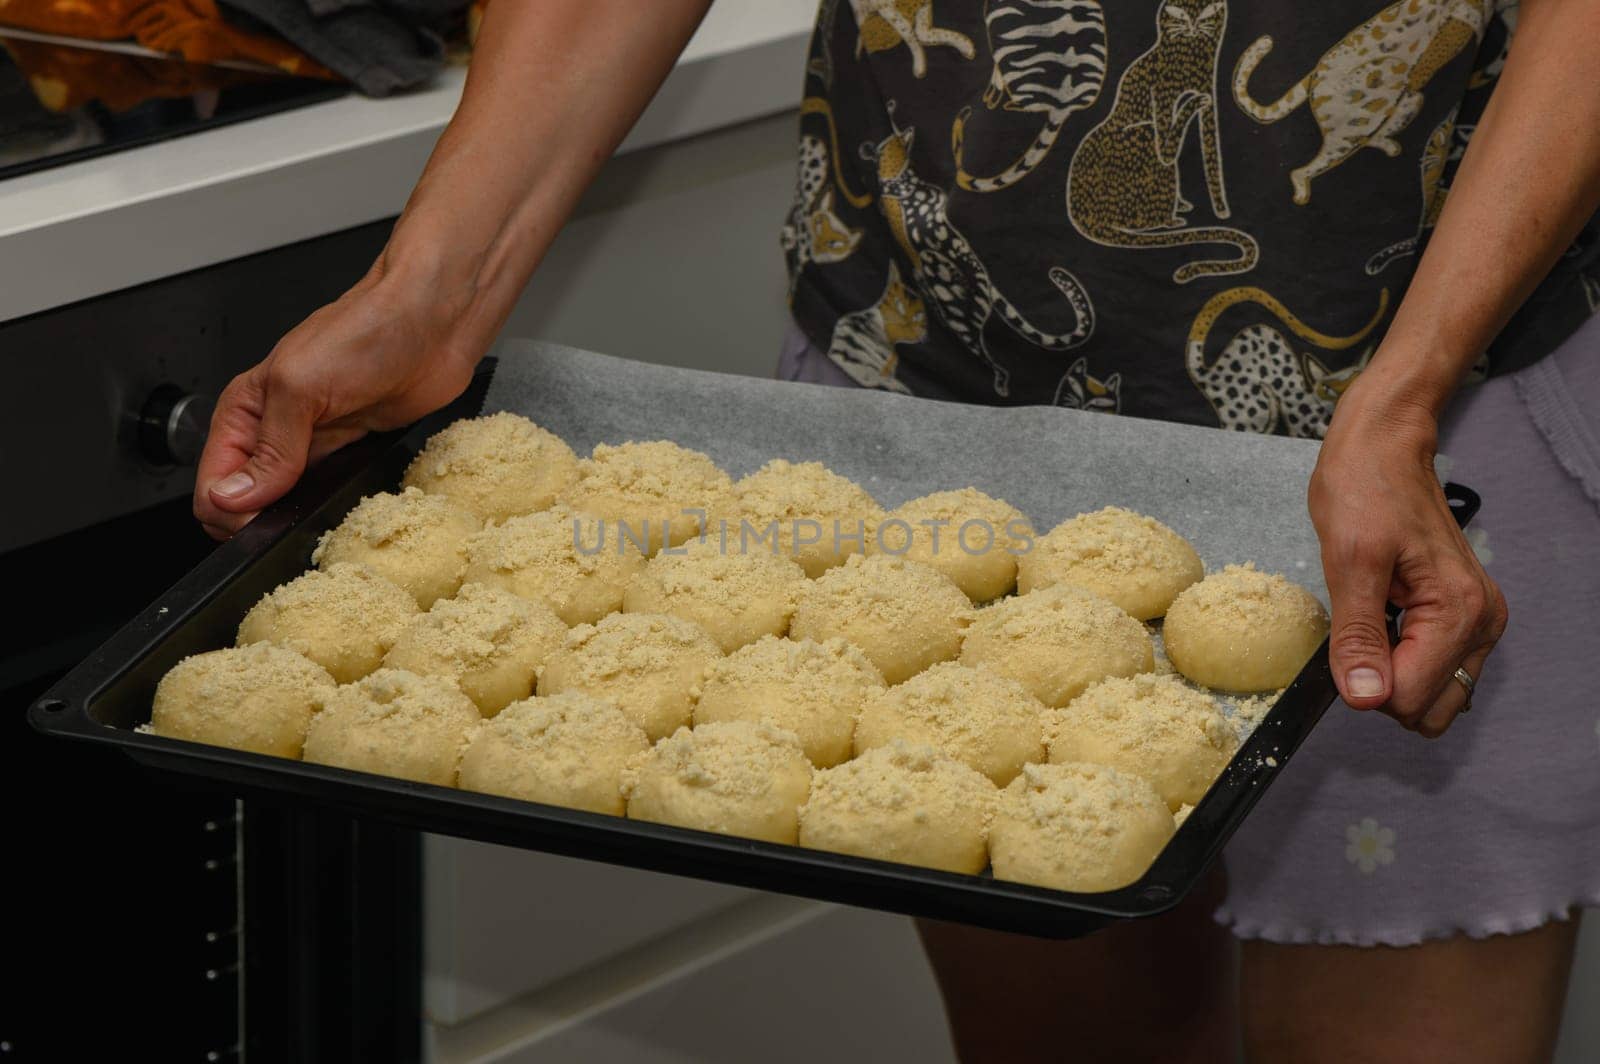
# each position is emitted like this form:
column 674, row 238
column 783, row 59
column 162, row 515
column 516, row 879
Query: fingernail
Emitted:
column 1364, row 683
column 233, row 484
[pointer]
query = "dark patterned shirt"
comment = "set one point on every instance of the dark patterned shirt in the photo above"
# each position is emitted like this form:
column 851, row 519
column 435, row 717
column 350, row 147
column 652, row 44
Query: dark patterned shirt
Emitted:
column 1166, row 208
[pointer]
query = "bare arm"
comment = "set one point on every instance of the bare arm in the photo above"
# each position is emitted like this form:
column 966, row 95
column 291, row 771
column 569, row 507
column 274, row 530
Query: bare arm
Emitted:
column 1529, row 180
column 553, row 88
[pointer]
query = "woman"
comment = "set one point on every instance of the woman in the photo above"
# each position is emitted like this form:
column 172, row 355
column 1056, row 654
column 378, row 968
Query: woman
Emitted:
column 1228, row 252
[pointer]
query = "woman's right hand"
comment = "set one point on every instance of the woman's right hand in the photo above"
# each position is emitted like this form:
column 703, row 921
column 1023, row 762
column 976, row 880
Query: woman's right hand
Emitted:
column 381, row 356
column 551, row 91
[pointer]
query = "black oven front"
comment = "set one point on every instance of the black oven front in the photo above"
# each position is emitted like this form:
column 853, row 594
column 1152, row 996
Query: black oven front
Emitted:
column 150, row 916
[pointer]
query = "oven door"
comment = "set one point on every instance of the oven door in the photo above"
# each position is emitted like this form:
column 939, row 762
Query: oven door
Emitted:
column 160, row 914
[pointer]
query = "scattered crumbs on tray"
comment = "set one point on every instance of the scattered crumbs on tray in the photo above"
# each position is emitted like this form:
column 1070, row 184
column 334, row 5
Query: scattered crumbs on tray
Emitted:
column 1271, row 762
column 1254, row 707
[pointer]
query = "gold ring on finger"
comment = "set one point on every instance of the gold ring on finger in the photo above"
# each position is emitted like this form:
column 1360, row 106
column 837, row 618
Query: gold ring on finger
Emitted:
column 1464, row 678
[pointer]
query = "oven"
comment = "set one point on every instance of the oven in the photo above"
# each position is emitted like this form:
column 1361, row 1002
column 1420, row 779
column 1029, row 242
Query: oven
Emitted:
column 160, row 915
column 184, row 913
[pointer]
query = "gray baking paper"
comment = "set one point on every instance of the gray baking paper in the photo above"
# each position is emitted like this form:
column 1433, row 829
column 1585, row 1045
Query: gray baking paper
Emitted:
column 1236, row 496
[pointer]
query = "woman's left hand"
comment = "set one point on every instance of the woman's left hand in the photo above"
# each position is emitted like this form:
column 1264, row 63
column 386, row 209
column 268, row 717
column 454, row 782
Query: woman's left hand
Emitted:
column 1387, row 534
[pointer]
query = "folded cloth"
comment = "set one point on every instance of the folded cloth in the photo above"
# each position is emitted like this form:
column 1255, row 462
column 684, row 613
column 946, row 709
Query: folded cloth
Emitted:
column 382, row 47
column 193, row 29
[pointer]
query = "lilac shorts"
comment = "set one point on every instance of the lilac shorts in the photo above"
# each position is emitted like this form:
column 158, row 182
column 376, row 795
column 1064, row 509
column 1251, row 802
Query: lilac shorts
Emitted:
column 1375, row 836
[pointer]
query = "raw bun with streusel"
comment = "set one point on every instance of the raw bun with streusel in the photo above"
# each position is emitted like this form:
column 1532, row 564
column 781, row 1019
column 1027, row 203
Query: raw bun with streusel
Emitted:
column 568, row 749
column 904, row 616
column 649, row 665
column 813, row 514
column 1077, row 827
column 1156, row 727
column 259, row 698
column 1058, row 641
column 570, row 561
column 415, row 540
column 1133, row 560
column 1243, row 630
column 970, row 537
column 737, row 596
column 494, row 466
column 734, row 778
column 395, row 723
column 658, row 491
column 902, row 803
column 975, row 716
column 345, row 618
column 814, row 690
column 489, row 641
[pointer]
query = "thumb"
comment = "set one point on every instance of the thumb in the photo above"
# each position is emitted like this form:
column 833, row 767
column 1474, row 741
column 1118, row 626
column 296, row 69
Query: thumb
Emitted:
column 1358, row 642
column 278, row 455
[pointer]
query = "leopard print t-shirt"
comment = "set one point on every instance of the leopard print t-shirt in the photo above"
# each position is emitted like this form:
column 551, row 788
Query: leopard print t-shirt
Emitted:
column 1138, row 208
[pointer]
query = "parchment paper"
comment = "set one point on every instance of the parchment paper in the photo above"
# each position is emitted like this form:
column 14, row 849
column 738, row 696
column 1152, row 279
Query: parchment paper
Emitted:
column 1236, row 496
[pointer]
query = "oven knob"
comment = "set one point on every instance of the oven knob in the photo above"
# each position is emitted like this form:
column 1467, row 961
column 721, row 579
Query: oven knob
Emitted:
column 173, row 424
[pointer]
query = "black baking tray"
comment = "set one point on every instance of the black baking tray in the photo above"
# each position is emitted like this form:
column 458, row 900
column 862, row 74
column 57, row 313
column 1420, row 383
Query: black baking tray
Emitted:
column 109, row 694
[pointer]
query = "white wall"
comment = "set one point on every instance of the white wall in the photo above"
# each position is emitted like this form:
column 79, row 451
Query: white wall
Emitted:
column 674, row 256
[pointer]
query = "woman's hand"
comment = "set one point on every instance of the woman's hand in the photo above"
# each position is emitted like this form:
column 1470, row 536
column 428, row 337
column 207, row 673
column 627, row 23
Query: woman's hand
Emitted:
column 1529, row 180
column 379, row 357
column 1388, row 535
column 552, row 89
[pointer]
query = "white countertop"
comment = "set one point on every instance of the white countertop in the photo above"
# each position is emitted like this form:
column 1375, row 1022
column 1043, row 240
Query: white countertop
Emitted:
column 132, row 216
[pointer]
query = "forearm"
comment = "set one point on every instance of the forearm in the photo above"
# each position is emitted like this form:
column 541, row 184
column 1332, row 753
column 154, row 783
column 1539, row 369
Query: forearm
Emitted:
column 553, row 88
column 1528, row 181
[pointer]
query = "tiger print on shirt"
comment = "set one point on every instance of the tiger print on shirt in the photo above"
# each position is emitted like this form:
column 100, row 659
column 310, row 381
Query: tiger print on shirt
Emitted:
column 1049, row 58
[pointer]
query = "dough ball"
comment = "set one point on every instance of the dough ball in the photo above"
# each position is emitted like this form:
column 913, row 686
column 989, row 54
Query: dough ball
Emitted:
column 814, row 690
column 489, row 641
column 902, row 803
column 904, row 616
column 966, row 535
column 1057, row 641
column 495, row 466
column 258, row 698
column 1155, row 727
column 1243, row 630
column 1133, row 560
column 656, row 491
column 975, row 716
column 1077, row 827
column 647, row 664
column 414, row 540
column 736, row 597
column 345, row 618
column 734, row 778
column 567, row 560
column 569, row 749
column 395, row 723
column 811, row 513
